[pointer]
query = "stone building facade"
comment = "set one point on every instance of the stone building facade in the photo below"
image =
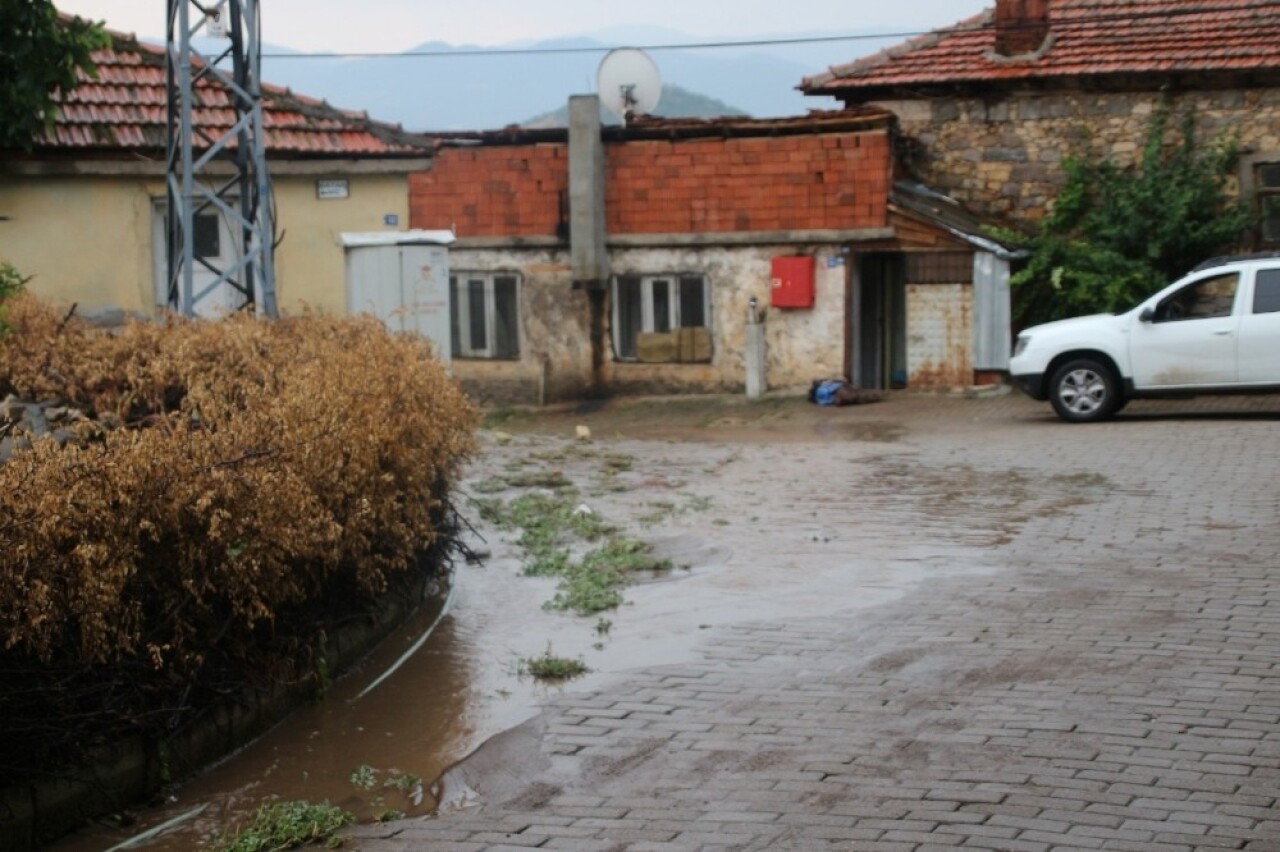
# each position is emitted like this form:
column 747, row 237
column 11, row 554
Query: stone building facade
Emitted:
column 987, row 115
column 1003, row 155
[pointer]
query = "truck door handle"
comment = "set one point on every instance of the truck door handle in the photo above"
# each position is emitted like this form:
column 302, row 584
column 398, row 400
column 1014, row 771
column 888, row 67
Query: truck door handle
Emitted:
column 1226, row 332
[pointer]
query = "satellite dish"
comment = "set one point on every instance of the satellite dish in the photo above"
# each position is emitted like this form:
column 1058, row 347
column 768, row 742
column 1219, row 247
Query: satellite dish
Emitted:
column 628, row 82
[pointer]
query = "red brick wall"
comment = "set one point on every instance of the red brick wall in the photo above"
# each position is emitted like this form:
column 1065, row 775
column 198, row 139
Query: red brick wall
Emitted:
column 492, row 192
column 816, row 181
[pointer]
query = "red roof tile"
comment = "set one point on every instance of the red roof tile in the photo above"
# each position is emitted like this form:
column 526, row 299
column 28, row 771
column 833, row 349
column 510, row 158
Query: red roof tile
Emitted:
column 124, row 107
column 1090, row 38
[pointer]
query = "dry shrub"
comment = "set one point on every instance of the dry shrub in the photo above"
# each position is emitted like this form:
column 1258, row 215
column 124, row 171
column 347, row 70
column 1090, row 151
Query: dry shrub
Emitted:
column 272, row 476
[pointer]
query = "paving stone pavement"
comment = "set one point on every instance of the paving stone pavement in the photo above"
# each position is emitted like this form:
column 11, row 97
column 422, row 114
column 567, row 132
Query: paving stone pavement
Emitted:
column 1108, row 679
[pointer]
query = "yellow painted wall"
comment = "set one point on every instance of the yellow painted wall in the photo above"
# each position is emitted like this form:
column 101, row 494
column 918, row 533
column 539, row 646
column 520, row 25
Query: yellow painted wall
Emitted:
column 89, row 239
column 310, row 266
column 83, row 239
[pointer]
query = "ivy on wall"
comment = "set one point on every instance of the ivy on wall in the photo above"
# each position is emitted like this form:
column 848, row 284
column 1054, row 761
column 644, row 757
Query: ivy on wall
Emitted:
column 1116, row 233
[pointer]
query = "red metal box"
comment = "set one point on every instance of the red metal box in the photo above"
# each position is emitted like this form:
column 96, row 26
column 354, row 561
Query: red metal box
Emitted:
column 792, row 282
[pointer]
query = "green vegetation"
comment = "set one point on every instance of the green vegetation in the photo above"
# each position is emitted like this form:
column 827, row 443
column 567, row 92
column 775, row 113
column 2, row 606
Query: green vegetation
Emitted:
column 286, row 825
column 663, row 509
column 364, row 777
column 549, row 524
column 550, row 667
column 1116, row 234
column 40, row 56
column 11, row 284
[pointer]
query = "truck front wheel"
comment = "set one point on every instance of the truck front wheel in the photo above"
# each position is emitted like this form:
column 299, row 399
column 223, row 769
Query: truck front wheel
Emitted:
column 1085, row 390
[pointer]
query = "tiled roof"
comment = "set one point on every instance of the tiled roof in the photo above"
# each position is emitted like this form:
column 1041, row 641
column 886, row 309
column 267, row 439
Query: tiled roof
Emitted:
column 1089, row 38
column 125, row 108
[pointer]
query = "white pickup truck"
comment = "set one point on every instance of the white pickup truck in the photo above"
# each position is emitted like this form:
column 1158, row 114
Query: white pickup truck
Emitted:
column 1216, row 330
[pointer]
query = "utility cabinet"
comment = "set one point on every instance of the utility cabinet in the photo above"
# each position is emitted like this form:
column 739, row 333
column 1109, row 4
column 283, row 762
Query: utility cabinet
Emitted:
column 402, row 278
column 792, row 282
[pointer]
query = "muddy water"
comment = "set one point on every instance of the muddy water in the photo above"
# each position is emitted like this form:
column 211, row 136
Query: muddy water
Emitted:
column 416, row 722
column 754, row 507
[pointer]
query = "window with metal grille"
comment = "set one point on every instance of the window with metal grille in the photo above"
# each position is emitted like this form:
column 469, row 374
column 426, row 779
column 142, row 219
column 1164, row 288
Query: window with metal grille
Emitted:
column 484, row 315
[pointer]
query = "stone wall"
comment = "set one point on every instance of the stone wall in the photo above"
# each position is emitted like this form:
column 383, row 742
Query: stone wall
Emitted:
column 1002, row 154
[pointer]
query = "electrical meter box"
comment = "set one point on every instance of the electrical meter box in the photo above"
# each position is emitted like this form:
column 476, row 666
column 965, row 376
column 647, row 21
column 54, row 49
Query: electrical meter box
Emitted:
column 792, row 282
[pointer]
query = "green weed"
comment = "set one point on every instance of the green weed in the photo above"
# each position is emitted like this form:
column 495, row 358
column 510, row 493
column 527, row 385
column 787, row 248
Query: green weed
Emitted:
column 540, row 479
column 364, row 777
column 550, row 667
column 491, row 485
column 286, row 825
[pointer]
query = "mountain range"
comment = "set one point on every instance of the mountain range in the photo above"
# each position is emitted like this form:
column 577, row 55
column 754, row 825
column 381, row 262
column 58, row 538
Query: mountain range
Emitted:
column 461, row 87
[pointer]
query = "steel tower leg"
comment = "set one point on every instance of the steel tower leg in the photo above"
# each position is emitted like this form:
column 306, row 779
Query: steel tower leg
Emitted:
column 217, row 179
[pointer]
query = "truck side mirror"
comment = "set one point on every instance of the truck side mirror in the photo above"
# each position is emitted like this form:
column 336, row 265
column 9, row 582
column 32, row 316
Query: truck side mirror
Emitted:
column 1147, row 315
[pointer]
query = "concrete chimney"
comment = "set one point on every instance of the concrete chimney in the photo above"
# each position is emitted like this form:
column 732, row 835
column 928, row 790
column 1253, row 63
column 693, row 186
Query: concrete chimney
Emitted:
column 1021, row 26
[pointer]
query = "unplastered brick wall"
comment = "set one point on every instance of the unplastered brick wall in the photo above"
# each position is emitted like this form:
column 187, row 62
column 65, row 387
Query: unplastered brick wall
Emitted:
column 816, row 181
column 1004, row 155
column 683, row 186
column 492, row 191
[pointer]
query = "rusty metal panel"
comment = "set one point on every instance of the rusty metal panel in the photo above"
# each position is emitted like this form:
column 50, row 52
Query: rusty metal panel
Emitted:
column 939, row 336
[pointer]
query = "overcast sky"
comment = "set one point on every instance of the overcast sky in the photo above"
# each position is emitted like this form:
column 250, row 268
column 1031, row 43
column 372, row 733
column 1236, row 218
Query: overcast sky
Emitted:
column 395, row 25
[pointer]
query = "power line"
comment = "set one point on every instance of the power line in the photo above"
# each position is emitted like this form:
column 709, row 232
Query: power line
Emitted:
column 1094, row 19
column 553, row 51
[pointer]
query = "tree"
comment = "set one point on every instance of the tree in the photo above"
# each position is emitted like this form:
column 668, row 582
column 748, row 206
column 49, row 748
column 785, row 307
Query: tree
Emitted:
column 1116, row 235
column 40, row 55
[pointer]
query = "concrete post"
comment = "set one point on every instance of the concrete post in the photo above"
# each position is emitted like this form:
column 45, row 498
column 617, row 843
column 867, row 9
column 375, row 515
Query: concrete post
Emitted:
column 755, row 352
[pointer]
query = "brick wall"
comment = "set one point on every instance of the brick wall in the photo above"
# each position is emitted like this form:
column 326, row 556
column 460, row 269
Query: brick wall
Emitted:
column 702, row 185
column 492, row 191
column 770, row 184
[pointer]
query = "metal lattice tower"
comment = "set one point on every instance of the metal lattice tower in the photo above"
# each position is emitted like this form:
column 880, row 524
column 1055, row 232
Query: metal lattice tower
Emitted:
column 217, row 179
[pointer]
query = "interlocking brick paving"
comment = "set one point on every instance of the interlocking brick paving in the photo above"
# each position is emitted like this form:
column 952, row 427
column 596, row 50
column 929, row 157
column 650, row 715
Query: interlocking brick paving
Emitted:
column 1086, row 657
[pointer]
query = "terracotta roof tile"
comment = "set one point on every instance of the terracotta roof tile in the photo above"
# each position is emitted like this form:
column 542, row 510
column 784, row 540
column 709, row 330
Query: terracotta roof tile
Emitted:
column 125, row 106
column 1090, row 38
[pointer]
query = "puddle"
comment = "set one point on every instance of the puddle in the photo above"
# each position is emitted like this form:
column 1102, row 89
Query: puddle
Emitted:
column 758, row 530
column 415, row 723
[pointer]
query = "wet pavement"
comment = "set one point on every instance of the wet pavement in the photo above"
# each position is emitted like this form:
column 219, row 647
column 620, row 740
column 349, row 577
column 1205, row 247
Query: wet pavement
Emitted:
column 931, row 622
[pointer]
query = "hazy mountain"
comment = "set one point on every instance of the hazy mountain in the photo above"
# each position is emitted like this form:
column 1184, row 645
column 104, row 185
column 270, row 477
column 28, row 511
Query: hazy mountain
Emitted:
column 489, row 88
column 674, row 103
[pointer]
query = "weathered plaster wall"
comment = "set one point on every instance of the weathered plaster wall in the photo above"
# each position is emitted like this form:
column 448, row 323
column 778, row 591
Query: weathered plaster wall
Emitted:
column 89, row 240
column 939, row 335
column 555, row 353
column 554, row 327
column 1002, row 154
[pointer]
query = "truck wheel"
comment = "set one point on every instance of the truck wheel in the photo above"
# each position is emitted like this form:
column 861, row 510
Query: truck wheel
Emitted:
column 1084, row 390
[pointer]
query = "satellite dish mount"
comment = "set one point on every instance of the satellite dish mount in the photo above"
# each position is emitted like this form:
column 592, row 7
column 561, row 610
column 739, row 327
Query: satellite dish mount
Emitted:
column 628, row 83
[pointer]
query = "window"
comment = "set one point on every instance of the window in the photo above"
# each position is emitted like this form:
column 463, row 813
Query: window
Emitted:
column 1266, row 182
column 482, row 311
column 1266, row 292
column 662, row 318
column 206, row 236
column 1205, row 299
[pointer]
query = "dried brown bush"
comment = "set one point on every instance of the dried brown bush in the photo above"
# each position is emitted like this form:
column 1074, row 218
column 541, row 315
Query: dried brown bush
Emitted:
column 272, row 476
